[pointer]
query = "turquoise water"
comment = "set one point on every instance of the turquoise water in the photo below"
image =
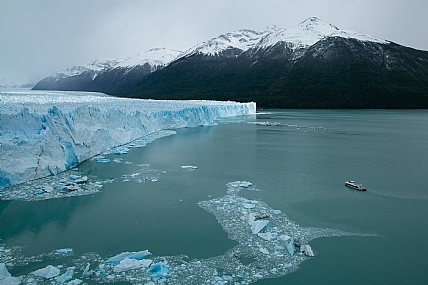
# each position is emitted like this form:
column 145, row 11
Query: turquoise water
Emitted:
column 297, row 161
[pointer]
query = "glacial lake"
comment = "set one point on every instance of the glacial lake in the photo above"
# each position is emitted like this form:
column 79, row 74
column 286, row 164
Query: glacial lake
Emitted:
column 297, row 162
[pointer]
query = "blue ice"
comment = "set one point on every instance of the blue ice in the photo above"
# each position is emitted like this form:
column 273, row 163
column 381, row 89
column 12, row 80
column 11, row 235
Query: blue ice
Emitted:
column 158, row 270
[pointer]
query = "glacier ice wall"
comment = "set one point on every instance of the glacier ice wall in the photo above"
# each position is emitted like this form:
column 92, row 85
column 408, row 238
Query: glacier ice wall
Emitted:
column 44, row 133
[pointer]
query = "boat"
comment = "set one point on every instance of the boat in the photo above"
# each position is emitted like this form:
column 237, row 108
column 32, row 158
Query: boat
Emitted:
column 352, row 184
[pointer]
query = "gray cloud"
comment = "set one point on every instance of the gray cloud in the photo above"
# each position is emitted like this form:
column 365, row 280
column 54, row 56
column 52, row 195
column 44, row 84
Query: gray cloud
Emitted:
column 40, row 37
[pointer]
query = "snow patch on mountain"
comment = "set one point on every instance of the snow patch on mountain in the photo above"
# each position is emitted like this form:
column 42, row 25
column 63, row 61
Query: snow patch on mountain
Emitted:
column 301, row 36
column 156, row 58
column 241, row 40
column 308, row 33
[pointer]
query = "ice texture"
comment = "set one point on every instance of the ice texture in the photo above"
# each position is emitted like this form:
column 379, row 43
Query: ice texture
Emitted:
column 138, row 255
column 130, row 264
column 46, row 132
column 279, row 249
column 47, row 272
column 6, row 278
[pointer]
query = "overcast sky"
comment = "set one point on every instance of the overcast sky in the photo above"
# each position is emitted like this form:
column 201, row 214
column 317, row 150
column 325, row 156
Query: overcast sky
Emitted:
column 40, row 37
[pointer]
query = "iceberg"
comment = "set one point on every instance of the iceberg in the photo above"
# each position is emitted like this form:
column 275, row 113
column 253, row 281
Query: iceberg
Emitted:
column 67, row 276
column 44, row 133
column 158, row 270
column 258, row 225
column 129, row 264
column 47, row 272
column 6, row 277
column 137, row 255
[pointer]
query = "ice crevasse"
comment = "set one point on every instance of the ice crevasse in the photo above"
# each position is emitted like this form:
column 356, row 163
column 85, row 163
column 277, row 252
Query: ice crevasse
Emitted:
column 46, row 132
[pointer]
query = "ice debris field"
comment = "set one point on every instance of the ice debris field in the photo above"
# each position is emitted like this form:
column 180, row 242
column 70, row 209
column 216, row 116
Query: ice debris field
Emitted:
column 269, row 246
column 43, row 133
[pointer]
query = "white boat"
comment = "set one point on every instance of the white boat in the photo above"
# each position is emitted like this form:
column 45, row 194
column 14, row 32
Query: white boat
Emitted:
column 352, row 184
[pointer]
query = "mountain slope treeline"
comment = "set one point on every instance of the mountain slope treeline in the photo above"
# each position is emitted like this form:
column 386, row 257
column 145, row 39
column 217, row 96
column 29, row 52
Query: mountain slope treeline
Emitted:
column 333, row 73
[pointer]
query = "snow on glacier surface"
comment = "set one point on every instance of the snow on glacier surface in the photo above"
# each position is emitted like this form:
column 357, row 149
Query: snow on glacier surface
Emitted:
column 46, row 132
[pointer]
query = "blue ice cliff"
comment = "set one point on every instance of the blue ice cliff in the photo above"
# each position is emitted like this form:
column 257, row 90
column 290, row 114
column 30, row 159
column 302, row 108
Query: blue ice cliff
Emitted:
column 44, row 133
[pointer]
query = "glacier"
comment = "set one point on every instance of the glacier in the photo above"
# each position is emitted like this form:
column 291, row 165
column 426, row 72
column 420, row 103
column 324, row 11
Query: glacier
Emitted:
column 44, row 133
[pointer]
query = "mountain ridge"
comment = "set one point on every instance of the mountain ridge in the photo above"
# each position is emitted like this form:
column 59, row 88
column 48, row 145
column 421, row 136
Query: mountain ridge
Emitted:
column 311, row 65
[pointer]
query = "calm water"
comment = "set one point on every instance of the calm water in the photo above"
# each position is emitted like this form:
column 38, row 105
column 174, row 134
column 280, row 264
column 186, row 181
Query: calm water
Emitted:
column 299, row 160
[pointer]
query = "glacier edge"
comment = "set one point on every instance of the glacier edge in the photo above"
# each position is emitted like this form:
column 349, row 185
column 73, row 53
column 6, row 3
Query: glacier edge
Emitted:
column 43, row 133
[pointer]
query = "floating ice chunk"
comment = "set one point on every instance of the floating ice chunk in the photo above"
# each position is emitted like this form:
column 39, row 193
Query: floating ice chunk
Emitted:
column 244, row 184
column 120, row 150
column 290, row 248
column 284, row 237
column 307, row 250
column 6, row 278
column 264, row 250
column 3, row 271
column 47, row 272
column 129, row 264
column 138, row 255
column 73, row 187
column 81, row 180
column 74, row 177
column 158, row 270
column 258, row 225
column 87, row 272
column 67, row 276
column 276, row 212
column 102, row 160
column 267, row 236
column 189, row 167
column 101, row 270
column 64, row 251
column 248, row 206
column 48, row 188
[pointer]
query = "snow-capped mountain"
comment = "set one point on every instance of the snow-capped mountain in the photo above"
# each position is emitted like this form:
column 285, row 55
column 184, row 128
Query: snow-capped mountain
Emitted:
column 17, row 82
column 311, row 65
column 240, row 41
column 108, row 75
column 156, row 58
column 301, row 36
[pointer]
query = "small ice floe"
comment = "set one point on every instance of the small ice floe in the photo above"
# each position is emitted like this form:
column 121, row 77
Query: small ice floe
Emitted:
column 64, row 251
column 6, row 277
column 130, row 264
column 267, row 236
column 258, row 225
column 67, row 276
column 138, row 255
column 284, row 237
column 102, row 160
column 88, row 272
column 74, row 176
column 307, row 250
column 248, row 206
column 265, row 123
column 190, row 167
column 264, row 250
column 72, row 187
column 120, row 150
column 47, row 188
column 244, row 184
column 81, row 180
column 158, row 270
column 47, row 272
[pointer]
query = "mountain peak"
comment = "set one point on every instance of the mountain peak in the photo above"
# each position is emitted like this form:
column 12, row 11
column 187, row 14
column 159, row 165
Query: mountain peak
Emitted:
column 315, row 24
